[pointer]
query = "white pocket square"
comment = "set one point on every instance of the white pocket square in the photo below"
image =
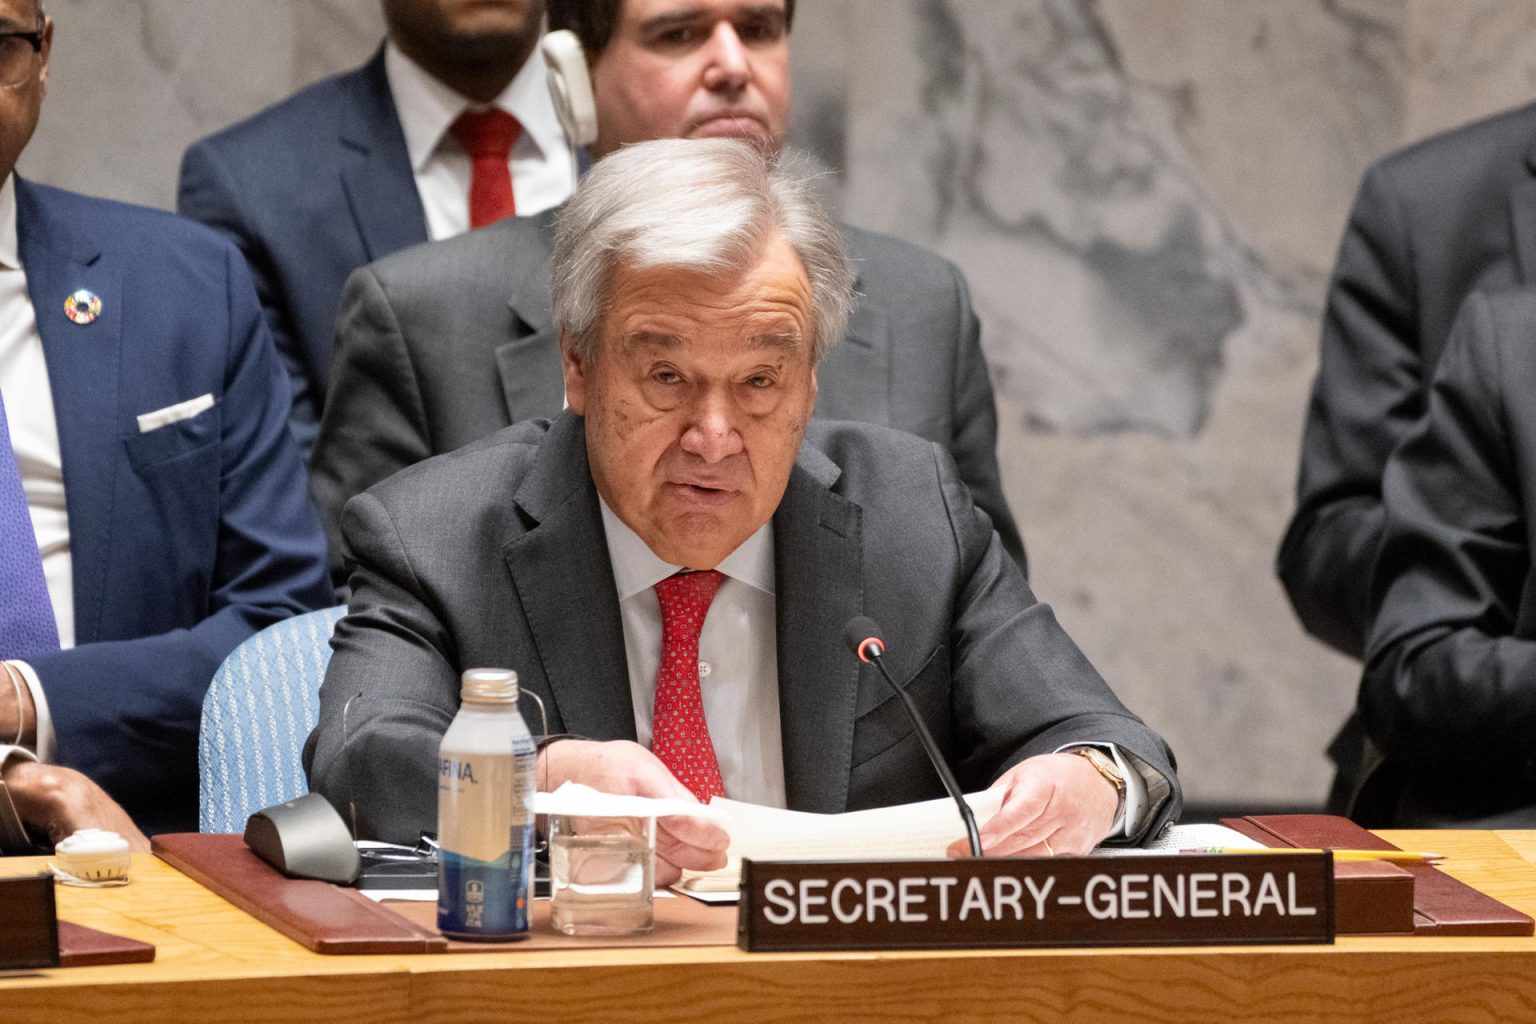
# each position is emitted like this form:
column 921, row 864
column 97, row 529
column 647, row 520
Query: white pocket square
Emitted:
column 174, row 413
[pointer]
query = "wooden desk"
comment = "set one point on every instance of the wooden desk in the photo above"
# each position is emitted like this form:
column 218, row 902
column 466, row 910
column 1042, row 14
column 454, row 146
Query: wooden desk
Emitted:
column 215, row 964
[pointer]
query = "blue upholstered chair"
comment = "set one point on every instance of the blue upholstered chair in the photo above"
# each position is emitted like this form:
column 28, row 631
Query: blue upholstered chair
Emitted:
column 261, row 706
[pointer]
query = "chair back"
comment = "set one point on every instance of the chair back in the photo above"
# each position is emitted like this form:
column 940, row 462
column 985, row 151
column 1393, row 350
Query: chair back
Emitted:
column 259, row 710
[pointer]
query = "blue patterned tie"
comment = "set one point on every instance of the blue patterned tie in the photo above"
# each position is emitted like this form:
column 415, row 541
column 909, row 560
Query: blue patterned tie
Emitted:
column 26, row 617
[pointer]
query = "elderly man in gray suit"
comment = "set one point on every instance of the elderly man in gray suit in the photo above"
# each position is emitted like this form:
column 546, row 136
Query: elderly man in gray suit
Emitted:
column 446, row 343
column 681, row 514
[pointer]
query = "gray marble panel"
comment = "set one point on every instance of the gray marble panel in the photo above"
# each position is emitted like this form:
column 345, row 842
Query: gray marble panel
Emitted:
column 133, row 82
column 1144, row 197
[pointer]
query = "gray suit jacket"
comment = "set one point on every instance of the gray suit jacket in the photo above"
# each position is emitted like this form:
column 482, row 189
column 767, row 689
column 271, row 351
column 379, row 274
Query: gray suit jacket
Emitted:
column 495, row 555
column 1431, row 223
column 446, row 343
column 1449, row 692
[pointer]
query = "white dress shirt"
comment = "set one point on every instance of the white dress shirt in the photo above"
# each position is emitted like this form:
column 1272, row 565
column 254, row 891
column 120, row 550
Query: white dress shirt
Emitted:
column 738, row 656
column 543, row 170
column 739, row 666
column 34, row 434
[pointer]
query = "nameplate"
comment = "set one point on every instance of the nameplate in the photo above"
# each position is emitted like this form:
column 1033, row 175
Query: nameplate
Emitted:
column 29, row 923
column 1162, row 900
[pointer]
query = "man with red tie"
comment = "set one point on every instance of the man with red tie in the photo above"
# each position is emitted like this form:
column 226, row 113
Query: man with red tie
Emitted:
column 670, row 569
column 449, row 127
column 443, row 344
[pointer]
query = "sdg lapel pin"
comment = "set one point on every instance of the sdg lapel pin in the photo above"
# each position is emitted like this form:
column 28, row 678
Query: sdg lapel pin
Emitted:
column 83, row 306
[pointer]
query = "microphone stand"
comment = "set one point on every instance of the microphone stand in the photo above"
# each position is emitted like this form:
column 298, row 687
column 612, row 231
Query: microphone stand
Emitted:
column 876, row 651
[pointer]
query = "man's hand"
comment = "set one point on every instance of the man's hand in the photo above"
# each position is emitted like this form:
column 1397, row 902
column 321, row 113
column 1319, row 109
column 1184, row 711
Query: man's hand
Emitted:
column 18, row 715
column 629, row 769
column 61, row 801
column 1052, row 804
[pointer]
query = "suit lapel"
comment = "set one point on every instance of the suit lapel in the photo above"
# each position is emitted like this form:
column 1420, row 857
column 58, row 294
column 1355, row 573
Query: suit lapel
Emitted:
column 818, row 561
column 529, row 364
column 376, row 168
column 573, row 613
column 84, row 365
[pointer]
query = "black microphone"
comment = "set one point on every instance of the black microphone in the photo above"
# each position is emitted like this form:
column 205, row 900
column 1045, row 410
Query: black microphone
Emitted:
column 864, row 637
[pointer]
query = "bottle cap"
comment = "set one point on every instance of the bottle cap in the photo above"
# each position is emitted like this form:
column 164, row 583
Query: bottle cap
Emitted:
column 488, row 685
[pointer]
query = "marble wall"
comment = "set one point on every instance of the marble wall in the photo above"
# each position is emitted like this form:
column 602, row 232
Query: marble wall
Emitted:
column 1145, row 196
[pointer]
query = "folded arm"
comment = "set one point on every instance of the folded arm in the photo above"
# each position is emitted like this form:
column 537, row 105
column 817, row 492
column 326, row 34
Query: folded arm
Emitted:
column 1450, row 683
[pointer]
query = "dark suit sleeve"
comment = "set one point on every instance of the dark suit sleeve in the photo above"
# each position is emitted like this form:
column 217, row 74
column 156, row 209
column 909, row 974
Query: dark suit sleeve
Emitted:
column 975, row 443
column 1368, row 393
column 390, row 691
column 1448, row 688
column 374, row 424
column 126, row 712
column 1022, row 687
column 210, row 194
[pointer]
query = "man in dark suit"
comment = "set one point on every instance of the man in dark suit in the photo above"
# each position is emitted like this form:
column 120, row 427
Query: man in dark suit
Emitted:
column 1449, row 692
column 696, row 289
column 360, row 165
column 446, row 343
column 154, row 506
column 1431, row 223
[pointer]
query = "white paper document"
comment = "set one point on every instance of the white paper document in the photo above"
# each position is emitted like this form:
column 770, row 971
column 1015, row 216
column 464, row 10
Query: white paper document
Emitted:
column 906, row 832
column 883, row 833
column 1178, row 838
column 573, row 798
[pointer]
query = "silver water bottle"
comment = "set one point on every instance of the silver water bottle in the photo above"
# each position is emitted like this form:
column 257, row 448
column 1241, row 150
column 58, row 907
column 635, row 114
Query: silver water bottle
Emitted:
column 485, row 823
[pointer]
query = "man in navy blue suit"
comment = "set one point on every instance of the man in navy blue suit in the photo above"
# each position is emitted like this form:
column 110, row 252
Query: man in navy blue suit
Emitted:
column 383, row 157
column 153, row 507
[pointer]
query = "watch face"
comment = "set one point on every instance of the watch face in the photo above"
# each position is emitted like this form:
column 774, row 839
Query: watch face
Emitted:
column 1105, row 765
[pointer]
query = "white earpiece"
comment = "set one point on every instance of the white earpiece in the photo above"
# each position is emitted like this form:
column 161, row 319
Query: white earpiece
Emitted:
column 570, row 87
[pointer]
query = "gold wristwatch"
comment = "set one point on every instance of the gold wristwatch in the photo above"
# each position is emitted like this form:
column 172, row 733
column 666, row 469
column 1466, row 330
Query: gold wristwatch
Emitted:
column 1105, row 766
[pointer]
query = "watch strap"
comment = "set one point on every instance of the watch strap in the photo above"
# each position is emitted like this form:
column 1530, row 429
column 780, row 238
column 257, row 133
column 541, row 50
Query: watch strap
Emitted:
column 1106, row 767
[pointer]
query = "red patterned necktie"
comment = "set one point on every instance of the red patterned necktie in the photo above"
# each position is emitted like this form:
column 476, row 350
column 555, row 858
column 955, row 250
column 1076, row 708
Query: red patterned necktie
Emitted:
column 488, row 137
column 679, row 734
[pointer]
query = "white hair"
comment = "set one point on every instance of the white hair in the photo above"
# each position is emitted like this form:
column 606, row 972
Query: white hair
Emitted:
column 710, row 205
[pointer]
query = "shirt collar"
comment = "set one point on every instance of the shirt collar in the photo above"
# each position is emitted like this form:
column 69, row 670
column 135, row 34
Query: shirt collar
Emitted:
column 427, row 107
column 10, row 247
column 636, row 567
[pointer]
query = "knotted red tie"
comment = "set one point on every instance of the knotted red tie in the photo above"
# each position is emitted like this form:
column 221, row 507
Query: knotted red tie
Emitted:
column 488, row 137
column 679, row 733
